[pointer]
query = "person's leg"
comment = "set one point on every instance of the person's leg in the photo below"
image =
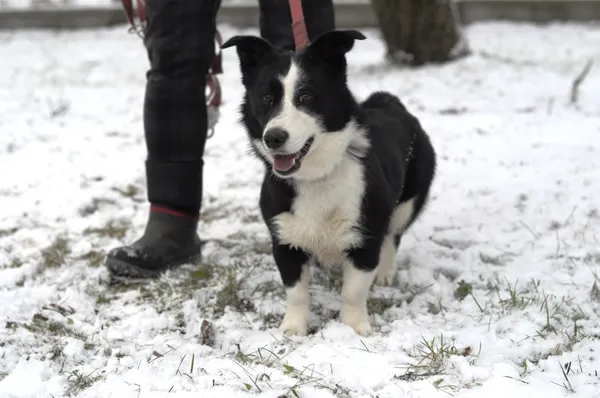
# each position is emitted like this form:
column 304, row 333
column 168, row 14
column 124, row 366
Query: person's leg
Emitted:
column 179, row 39
column 275, row 20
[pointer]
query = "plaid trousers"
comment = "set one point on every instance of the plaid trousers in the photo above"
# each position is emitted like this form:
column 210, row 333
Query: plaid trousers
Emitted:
column 179, row 40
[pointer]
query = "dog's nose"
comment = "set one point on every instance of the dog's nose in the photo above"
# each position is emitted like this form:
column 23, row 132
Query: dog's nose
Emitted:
column 275, row 138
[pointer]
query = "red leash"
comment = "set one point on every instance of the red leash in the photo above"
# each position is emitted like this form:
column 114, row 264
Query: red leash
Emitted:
column 214, row 97
column 298, row 25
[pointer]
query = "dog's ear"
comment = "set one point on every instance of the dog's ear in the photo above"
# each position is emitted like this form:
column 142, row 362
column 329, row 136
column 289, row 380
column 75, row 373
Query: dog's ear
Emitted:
column 335, row 43
column 251, row 50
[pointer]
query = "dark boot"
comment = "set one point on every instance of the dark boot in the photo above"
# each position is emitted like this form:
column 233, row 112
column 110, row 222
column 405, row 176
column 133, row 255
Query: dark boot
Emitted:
column 180, row 43
column 170, row 240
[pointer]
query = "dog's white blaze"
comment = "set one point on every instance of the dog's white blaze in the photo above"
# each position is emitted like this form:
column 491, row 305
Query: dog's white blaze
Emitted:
column 299, row 124
column 386, row 270
column 295, row 320
column 326, row 212
column 355, row 291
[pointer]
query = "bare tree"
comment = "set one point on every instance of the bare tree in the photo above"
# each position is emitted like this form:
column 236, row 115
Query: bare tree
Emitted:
column 420, row 31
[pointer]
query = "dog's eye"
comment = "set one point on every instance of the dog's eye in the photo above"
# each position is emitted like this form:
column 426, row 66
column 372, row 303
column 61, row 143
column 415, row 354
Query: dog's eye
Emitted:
column 267, row 99
column 306, row 98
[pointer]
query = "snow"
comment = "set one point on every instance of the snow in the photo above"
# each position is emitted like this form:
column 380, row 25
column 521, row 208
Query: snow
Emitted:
column 503, row 265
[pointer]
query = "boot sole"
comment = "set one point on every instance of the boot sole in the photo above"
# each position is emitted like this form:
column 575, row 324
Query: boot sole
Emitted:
column 121, row 269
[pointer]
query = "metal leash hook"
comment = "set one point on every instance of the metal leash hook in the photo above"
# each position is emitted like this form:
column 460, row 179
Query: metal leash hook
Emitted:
column 138, row 26
column 214, row 95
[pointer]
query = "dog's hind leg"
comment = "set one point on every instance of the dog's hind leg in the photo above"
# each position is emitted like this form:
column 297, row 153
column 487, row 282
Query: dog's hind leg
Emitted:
column 386, row 270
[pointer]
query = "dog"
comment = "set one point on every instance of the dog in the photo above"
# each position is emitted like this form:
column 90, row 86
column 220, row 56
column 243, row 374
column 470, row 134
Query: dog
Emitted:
column 343, row 180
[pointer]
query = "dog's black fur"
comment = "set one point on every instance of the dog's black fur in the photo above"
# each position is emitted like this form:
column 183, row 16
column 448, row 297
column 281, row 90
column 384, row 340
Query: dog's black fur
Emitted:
column 398, row 164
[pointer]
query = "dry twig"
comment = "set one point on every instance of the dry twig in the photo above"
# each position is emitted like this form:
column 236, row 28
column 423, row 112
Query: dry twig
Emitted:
column 579, row 80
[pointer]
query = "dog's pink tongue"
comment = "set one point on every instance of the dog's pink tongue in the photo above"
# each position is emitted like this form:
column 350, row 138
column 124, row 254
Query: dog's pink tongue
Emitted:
column 283, row 163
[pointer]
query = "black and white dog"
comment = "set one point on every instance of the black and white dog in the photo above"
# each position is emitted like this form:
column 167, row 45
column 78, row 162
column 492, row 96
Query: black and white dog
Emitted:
column 343, row 181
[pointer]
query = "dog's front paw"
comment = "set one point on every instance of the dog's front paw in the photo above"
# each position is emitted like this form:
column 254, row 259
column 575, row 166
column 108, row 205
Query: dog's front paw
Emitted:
column 294, row 325
column 358, row 321
column 362, row 328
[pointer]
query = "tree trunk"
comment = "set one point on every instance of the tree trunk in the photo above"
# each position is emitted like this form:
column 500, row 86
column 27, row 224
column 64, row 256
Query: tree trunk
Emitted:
column 420, row 31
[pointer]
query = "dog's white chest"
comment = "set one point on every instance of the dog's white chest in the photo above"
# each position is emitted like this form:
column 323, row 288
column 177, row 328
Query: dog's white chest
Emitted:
column 325, row 215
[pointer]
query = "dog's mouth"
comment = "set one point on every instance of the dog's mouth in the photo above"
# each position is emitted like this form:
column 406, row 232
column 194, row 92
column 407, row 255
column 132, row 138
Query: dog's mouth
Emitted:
column 286, row 164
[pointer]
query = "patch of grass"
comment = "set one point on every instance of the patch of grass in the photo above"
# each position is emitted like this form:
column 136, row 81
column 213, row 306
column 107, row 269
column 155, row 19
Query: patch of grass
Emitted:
column 432, row 358
column 510, row 297
column 241, row 243
column 262, row 247
column 94, row 258
column 330, row 278
column 130, row 191
column 258, row 381
column 379, row 305
column 214, row 213
column 574, row 335
column 78, row 382
column 41, row 325
column 8, row 232
column 116, row 228
column 463, row 290
column 57, row 352
column 519, row 298
column 435, row 308
column 554, row 225
column 15, row 263
column 271, row 320
column 180, row 322
column 215, row 210
column 56, row 254
column 204, row 273
column 163, row 294
column 440, row 384
column 522, row 201
column 497, row 261
column 11, row 325
column 566, row 384
column 94, row 206
column 228, row 295
column 559, row 316
column 595, row 292
column 251, row 218
column 270, row 288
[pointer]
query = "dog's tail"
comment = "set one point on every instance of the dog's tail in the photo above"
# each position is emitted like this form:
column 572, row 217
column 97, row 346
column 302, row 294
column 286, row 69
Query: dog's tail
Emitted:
column 381, row 99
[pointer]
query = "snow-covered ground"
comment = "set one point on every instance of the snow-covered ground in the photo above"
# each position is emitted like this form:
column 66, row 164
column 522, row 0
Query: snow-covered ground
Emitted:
column 498, row 293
